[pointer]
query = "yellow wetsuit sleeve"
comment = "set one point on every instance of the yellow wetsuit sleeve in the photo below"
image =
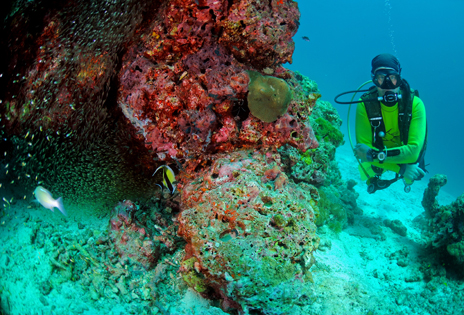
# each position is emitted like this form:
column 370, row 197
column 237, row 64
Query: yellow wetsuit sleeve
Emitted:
column 417, row 132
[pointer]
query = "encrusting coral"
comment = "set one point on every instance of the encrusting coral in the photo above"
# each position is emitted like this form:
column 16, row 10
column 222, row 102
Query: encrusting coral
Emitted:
column 445, row 228
column 185, row 85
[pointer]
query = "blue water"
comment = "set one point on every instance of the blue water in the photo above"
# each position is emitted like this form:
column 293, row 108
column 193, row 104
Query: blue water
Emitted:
column 426, row 36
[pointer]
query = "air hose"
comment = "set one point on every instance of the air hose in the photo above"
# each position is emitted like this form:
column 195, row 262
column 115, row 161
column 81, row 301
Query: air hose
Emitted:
column 348, row 119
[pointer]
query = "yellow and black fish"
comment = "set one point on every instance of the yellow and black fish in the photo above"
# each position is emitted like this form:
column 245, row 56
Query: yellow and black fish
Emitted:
column 169, row 178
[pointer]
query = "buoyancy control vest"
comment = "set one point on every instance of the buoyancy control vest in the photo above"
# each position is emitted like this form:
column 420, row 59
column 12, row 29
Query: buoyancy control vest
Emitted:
column 374, row 113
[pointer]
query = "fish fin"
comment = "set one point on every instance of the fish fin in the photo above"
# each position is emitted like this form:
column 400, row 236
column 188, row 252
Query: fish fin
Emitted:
column 162, row 166
column 59, row 205
column 174, row 185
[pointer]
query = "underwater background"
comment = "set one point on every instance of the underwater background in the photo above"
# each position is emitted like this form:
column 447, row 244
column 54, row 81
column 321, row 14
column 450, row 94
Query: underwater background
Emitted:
column 426, row 38
column 186, row 193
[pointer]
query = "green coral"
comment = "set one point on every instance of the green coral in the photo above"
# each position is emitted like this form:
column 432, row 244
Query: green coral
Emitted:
column 280, row 221
column 275, row 271
column 306, row 157
column 193, row 279
column 268, row 97
column 336, row 226
column 330, row 210
column 327, row 132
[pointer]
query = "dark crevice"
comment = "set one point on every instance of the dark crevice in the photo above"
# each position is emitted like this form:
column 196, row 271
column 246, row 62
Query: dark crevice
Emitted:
column 229, row 5
column 213, row 16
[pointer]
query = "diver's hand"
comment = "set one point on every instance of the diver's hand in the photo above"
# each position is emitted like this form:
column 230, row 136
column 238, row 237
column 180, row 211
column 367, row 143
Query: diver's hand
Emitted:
column 360, row 151
column 412, row 172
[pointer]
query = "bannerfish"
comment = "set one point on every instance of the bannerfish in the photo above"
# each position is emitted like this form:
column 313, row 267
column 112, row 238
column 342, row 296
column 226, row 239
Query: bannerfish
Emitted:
column 169, row 178
column 45, row 198
column 306, row 38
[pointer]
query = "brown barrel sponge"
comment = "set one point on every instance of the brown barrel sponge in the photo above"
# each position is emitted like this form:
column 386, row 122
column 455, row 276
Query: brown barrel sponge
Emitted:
column 268, row 97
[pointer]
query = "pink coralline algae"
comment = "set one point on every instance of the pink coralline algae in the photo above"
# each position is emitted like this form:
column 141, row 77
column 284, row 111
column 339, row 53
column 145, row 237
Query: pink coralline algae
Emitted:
column 184, row 84
column 250, row 231
column 260, row 32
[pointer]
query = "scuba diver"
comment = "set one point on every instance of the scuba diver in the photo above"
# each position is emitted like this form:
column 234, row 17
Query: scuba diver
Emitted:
column 391, row 130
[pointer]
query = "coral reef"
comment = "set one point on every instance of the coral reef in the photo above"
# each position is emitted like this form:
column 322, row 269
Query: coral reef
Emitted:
column 445, row 228
column 101, row 93
column 308, row 85
column 317, row 166
column 250, row 232
column 82, row 96
column 336, row 205
column 184, row 85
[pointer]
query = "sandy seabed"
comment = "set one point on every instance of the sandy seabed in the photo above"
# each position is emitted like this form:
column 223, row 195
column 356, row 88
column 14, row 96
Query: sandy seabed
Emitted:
column 365, row 269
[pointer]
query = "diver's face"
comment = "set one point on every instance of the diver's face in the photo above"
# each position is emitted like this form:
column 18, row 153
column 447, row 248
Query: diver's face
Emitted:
column 382, row 91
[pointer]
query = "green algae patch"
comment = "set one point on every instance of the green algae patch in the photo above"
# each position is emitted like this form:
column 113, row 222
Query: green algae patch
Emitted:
column 330, row 212
column 327, row 132
column 306, row 157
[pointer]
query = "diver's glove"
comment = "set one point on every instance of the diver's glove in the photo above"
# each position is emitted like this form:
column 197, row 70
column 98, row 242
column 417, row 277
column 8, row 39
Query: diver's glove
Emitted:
column 411, row 172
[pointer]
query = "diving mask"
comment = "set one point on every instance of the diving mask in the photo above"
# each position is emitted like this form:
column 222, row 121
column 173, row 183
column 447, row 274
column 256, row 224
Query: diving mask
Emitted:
column 386, row 79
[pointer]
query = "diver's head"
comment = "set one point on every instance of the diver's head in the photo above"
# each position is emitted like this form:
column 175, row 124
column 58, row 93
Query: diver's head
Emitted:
column 386, row 73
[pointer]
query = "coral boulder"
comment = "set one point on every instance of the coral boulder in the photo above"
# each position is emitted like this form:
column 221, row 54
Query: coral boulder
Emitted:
column 250, row 232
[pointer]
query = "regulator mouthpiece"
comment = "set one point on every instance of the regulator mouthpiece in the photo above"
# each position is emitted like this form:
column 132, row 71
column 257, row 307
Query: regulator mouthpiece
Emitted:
column 390, row 97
